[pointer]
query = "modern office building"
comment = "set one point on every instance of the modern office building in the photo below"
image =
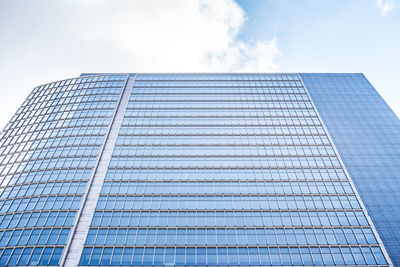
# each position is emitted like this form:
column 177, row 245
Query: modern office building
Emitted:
column 260, row 169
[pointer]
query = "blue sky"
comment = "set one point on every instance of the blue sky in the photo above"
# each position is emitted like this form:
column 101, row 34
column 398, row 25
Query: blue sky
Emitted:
column 45, row 40
column 333, row 36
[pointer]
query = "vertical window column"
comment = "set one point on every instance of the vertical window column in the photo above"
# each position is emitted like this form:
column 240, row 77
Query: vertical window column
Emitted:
column 75, row 244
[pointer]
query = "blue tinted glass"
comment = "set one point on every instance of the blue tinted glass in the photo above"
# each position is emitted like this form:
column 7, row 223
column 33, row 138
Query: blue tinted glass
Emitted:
column 47, row 153
column 227, row 169
column 367, row 134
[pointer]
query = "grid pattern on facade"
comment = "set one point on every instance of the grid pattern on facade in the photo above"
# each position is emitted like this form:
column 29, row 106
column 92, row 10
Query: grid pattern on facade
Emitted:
column 367, row 135
column 47, row 153
column 226, row 170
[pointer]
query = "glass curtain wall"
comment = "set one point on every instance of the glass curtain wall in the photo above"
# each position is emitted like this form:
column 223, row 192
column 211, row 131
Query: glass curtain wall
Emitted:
column 226, row 169
column 47, row 154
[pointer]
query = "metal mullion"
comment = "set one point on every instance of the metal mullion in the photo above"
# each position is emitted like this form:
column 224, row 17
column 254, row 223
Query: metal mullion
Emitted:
column 199, row 108
column 222, row 194
column 38, row 211
column 227, row 168
column 39, row 170
column 229, row 210
column 167, row 135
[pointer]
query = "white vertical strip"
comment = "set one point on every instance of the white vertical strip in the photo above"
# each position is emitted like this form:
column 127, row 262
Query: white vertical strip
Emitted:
column 365, row 211
column 73, row 250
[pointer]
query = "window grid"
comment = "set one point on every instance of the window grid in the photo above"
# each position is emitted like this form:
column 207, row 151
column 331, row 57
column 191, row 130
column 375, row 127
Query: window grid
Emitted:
column 200, row 155
column 47, row 153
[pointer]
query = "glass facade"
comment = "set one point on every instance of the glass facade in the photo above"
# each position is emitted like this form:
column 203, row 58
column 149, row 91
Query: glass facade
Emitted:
column 207, row 169
column 48, row 151
column 367, row 135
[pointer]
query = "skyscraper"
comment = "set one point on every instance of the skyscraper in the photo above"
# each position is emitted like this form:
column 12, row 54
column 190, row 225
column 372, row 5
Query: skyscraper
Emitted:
column 201, row 169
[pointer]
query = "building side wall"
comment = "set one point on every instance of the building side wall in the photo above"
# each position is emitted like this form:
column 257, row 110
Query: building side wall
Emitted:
column 367, row 134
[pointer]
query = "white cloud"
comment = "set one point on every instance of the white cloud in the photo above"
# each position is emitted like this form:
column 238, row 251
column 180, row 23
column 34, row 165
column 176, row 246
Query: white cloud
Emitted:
column 385, row 6
column 46, row 40
column 253, row 56
column 183, row 35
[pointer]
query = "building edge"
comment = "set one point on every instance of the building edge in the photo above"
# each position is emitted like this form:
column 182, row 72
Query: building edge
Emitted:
column 71, row 250
column 365, row 211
